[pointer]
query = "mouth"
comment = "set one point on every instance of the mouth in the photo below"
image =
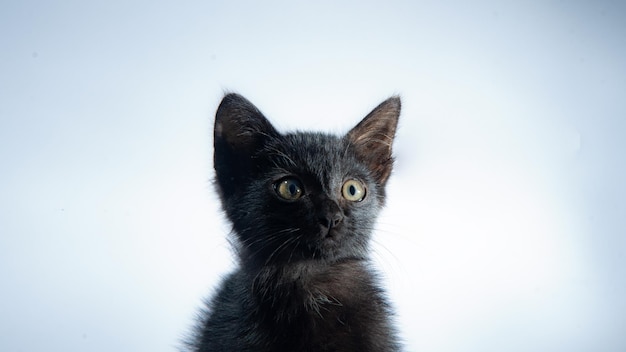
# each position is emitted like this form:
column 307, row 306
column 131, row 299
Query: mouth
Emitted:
column 330, row 240
column 331, row 232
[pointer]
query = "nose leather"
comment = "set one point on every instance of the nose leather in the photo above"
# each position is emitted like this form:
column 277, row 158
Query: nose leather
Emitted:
column 329, row 216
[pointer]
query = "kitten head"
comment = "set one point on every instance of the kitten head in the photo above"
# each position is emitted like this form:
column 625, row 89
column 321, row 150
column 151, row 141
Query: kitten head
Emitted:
column 301, row 196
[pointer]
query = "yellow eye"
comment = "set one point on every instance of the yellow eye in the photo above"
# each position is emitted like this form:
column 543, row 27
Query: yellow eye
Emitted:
column 288, row 189
column 353, row 191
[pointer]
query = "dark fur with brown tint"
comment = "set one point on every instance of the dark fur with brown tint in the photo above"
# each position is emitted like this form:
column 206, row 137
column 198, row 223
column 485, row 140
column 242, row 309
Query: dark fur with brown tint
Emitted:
column 304, row 281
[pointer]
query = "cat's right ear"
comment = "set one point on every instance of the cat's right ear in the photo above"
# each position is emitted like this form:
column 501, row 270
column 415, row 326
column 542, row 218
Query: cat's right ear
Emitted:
column 240, row 130
column 239, row 125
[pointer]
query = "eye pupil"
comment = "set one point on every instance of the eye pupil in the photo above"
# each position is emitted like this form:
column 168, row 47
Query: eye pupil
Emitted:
column 353, row 190
column 288, row 189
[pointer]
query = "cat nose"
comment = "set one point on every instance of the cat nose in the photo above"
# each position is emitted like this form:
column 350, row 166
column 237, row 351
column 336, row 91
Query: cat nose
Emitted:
column 330, row 220
column 329, row 216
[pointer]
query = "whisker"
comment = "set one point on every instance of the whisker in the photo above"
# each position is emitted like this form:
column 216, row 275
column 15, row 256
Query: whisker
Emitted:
column 278, row 249
column 297, row 239
column 266, row 241
column 276, row 151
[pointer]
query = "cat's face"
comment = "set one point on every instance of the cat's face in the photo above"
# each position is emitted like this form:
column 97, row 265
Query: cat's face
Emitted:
column 301, row 196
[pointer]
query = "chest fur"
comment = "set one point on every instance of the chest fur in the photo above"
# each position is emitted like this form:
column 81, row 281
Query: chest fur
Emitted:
column 337, row 308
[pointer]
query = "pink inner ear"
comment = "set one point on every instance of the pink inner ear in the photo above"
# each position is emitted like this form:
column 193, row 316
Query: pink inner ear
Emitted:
column 373, row 137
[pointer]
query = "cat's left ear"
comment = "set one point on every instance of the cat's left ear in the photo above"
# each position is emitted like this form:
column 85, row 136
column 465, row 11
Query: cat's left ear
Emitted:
column 240, row 130
column 373, row 136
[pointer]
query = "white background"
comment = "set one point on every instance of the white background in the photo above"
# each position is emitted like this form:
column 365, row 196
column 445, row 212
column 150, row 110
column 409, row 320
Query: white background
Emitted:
column 505, row 225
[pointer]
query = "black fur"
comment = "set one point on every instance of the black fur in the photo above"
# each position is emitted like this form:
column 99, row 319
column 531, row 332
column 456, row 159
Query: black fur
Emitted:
column 303, row 281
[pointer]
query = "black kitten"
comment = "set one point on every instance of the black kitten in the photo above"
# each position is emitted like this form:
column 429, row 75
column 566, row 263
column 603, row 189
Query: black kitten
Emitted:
column 302, row 206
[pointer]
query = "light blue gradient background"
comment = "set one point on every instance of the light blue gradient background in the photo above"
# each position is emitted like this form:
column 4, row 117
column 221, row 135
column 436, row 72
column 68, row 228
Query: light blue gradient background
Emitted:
column 505, row 224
